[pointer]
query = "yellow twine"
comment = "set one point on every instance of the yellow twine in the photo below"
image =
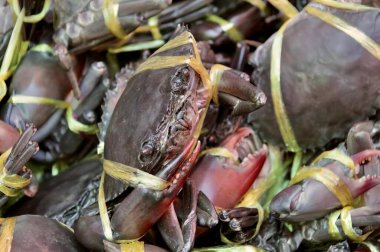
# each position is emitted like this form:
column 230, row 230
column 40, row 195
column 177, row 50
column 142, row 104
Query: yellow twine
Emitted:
column 6, row 233
column 220, row 152
column 366, row 42
column 333, row 229
column 9, row 53
column 336, row 155
column 278, row 105
column 285, row 7
column 328, row 179
column 10, row 184
column 347, row 226
column 228, row 27
column 32, row 18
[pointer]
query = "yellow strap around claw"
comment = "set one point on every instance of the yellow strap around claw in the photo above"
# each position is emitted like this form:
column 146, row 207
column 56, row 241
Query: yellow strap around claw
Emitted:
column 365, row 41
column 78, row 127
column 133, row 177
column 328, row 179
column 10, row 184
column 337, row 155
column 282, row 119
column 220, row 152
column 333, row 229
column 285, row 7
column 216, row 73
column 228, row 27
column 347, row 226
column 6, row 233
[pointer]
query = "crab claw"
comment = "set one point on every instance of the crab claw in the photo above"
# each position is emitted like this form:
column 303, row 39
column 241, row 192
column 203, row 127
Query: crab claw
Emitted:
column 223, row 180
column 236, row 91
column 147, row 205
column 311, row 199
column 144, row 205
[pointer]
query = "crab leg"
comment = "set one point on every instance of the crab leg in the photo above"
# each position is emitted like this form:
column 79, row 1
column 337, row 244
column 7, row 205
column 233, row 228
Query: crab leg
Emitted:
column 185, row 8
column 170, row 229
column 206, row 213
column 181, row 238
column 240, row 57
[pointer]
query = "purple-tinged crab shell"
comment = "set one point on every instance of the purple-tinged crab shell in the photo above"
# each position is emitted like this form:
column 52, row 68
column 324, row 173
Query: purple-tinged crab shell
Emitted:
column 328, row 80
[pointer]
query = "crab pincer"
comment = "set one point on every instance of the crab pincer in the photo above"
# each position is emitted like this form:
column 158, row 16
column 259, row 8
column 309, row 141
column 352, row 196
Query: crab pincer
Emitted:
column 302, row 200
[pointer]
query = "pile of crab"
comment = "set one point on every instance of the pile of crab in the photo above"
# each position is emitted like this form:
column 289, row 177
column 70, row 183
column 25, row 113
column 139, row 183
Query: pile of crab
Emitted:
column 189, row 125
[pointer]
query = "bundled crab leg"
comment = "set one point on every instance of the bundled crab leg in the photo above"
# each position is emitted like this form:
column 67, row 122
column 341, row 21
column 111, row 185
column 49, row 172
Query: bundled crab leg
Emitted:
column 86, row 24
column 234, row 26
column 14, row 175
column 80, row 121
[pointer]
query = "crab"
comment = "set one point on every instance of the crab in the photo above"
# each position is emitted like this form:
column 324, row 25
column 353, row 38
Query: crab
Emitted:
column 312, row 220
column 292, row 204
column 313, row 78
column 86, row 24
column 171, row 91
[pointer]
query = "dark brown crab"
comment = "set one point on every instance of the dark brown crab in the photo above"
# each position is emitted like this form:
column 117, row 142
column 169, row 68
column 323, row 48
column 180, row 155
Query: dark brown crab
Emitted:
column 319, row 73
column 154, row 128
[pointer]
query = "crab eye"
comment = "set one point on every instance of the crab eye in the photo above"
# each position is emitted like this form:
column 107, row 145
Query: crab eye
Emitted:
column 147, row 151
column 180, row 81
